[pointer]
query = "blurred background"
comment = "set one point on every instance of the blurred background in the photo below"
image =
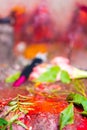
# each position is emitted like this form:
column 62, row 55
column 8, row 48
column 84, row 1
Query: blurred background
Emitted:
column 43, row 26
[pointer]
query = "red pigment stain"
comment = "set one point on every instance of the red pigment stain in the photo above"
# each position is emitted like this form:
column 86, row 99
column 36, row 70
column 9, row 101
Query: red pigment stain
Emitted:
column 83, row 124
column 48, row 106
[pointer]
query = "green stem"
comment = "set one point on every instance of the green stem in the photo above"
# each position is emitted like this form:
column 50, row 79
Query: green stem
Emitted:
column 77, row 73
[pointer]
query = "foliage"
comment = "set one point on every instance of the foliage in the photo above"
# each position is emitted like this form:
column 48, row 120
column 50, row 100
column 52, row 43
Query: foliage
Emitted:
column 64, row 76
column 18, row 106
column 66, row 117
column 51, row 74
column 78, row 100
column 79, row 86
column 12, row 78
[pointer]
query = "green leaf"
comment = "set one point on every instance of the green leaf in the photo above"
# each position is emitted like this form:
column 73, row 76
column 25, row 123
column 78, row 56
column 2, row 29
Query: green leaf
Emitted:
column 79, row 86
column 78, row 100
column 50, row 75
column 21, row 124
column 12, row 78
column 64, row 76
column 10, row 109
column 14, row 118
column 11, row 103
column 84, row 113
column 11, row 127
column 24, row 111
column 66, row 117
column 3, row 127
column 3, row 122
